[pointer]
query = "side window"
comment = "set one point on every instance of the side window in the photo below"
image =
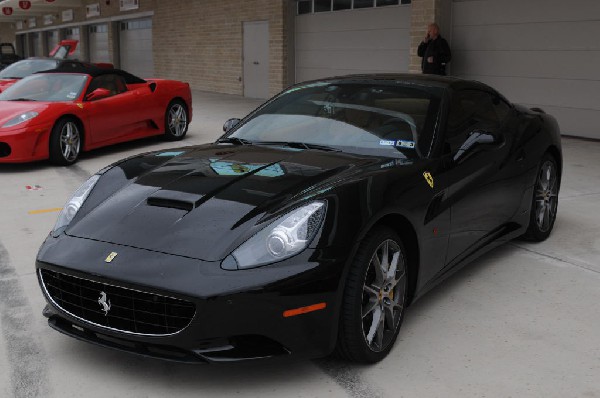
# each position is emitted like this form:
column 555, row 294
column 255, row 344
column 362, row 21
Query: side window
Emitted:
column 470, row 110
column 113, row 83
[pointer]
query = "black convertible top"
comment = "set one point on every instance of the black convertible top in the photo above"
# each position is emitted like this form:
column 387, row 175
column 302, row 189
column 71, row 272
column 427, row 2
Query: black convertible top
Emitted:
column 92, row 70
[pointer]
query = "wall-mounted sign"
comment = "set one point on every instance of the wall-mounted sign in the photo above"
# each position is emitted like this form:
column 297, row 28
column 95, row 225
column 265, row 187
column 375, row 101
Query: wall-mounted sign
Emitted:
column 129, row 5
column 19, row 25
column 25, row 4
column 67, row 15
column 7, row 10
column 49, row 19
column 31, row 22
column 92, row 10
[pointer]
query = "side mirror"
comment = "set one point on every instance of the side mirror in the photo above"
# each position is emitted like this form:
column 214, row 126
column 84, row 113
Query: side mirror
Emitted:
column 97, row 94
column 477, row 140
column 230, row 123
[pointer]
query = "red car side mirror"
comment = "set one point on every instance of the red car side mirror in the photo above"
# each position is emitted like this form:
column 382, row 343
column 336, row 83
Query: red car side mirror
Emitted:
column 97, row 94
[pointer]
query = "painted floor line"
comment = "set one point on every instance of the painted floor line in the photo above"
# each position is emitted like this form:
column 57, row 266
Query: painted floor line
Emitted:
column 45, row 210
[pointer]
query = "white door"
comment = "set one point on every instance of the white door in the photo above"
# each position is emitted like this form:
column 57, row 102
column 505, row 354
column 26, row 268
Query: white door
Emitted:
column 538, row 53
column 366, row 40
column 73, row 34
column 256, row 59
column 51, row 39
column 98, row 43
column 136, row 47
column 35, row 44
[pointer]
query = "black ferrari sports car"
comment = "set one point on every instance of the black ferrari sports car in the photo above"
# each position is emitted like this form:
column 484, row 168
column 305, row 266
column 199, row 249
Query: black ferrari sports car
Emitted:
column 307, row 228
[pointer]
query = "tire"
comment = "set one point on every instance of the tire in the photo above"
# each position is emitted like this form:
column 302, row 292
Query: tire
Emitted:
column 374, row 298
column 176, row 121
column 66, row 142
column 544, row 203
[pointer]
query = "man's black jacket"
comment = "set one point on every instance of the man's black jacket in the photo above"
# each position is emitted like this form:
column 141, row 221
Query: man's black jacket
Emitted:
column 439, row 50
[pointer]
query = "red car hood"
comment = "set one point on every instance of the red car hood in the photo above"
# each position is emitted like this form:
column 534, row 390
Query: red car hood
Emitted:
column 5, row 83
column 11, row 109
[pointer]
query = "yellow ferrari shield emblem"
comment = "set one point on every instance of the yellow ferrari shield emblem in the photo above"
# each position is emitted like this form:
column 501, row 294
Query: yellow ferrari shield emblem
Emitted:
column 428, row 178
column 110, row 257
column 79, row 104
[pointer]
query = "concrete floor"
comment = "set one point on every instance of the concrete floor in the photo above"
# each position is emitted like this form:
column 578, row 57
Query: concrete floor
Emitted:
column 522, row 321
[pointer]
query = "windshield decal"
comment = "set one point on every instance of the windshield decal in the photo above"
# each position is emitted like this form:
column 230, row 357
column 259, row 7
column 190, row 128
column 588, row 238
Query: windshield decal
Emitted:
column 405, row 144
column 387, row 142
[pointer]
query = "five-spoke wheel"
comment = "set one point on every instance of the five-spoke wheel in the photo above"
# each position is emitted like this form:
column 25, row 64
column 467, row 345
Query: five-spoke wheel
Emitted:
column 176, row 121
column 374, row 298
column 65, row 142
column 545, row 200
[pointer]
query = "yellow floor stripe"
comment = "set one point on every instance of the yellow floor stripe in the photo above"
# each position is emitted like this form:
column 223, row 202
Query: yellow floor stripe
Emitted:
column 44, row 211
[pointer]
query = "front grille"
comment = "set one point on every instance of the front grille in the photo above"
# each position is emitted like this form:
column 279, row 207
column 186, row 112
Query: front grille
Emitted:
column 131, row 311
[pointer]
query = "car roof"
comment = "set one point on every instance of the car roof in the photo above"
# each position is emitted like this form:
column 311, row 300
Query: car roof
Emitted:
column 426, row 80
column 89, row 69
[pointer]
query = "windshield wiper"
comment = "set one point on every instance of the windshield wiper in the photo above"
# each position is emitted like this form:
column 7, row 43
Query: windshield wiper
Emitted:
column 22, row 99
column 300, row 145
column 11, row 78
column 235, row 140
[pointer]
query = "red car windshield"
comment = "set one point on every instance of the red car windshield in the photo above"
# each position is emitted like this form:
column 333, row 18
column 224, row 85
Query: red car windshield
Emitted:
column 47, row 87
column 27, row 67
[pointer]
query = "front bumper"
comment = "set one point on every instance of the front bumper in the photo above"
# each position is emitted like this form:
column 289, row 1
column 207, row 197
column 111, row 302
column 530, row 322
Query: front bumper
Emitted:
column 239, row 314
column 24, row 144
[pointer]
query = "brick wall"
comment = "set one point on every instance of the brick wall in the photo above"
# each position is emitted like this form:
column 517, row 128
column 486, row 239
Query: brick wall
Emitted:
column 201, row 42
column 424, row 12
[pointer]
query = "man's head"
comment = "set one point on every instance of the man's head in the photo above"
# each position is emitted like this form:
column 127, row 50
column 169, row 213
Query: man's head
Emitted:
column 433, row 30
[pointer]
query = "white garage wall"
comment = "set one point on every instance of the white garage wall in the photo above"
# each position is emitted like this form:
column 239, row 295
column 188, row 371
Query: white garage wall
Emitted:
column 352, row 41
column 543, row 53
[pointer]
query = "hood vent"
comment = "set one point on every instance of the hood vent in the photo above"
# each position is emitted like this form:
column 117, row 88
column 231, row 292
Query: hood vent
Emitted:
column 174, row 200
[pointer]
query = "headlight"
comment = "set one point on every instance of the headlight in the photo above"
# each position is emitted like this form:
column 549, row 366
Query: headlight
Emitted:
column 283, row 238
column 74, row 204
column 20, row 119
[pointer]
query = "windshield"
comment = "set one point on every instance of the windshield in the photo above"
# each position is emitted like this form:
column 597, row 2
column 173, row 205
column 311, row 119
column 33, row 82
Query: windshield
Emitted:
column 51, row 87
column 371, row 118
column 27, row 67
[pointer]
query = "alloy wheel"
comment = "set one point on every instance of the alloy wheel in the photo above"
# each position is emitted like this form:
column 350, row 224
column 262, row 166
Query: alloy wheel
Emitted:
column 70, row 141
column 177, row 120
column 383, row 295
column 546, row 196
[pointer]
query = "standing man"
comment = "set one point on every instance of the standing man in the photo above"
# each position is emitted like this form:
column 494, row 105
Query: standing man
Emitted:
column 435, row 52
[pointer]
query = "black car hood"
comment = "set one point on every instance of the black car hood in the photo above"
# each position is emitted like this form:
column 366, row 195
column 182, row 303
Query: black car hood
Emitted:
column 200, row 203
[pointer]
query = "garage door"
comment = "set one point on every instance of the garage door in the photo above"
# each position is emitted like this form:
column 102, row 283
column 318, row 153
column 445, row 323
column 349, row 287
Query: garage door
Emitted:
column 98, row 43
column 347, row 41
column 542, row 53
column 35, row 44
column 73, row 34
column 136, row 47
column 51, row 39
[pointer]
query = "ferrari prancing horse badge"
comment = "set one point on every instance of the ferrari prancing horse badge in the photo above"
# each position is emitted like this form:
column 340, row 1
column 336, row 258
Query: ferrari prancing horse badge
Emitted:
column 110, row 257
column 428, row 178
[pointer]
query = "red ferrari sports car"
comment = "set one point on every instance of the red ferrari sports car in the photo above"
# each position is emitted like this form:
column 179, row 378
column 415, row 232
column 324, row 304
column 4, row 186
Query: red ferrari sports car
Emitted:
column 58, row 114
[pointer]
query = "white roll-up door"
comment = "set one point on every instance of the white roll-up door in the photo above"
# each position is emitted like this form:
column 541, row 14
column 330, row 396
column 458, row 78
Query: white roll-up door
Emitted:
column 540, row 53
column 98, row 43
column 35, row 45
column 51, row 39
column 136, row 47
column 352, row 41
